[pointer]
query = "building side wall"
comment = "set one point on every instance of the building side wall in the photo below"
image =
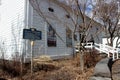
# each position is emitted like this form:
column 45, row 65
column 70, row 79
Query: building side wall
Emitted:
column 56, row 19
column 11, row 26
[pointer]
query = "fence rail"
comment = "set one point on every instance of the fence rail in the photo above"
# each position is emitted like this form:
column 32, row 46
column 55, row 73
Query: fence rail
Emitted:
column 102, row 48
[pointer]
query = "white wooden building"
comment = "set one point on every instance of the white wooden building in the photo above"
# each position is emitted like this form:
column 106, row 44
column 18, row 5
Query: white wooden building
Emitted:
column 16, row 15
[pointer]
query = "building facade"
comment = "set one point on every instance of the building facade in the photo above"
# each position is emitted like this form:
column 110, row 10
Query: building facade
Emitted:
column 50, row 18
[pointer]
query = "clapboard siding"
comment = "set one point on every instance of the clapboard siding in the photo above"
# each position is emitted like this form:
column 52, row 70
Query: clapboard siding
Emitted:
column 12, row 15
column 20, row 14
column 56, row 19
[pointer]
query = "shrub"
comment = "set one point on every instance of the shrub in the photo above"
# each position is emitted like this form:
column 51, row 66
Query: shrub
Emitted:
column 91, row 58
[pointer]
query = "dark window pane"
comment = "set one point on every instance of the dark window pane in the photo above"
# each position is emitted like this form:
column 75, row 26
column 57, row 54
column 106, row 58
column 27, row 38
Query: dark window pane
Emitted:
column 51, row 37
column 51, row 9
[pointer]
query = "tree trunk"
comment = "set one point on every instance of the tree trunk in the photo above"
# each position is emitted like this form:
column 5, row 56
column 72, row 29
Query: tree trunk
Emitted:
column 111, row 42
column 81, row 60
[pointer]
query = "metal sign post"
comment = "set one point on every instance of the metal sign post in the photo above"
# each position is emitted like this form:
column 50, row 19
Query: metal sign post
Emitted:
column 32, row 44
column 32, row 34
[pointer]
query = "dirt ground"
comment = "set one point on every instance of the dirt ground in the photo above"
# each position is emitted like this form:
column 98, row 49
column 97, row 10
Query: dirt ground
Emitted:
column 62, row 69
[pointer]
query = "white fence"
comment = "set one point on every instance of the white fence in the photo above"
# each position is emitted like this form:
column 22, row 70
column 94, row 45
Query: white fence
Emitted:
column 104, row 49
column 107, row 49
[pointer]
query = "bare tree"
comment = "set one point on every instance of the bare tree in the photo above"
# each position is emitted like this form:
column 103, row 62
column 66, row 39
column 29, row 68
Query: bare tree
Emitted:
column 2, row 51
column 17, row 46
column 16, row 33
column 107, row 12
column 81, row 23
column 80, row 9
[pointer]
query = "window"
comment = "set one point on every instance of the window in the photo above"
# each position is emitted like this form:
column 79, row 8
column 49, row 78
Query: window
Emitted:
column 68, row 37
column 51, row 9
column 51, row 37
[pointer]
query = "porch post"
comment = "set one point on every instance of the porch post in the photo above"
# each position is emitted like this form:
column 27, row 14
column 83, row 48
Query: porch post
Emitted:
column 113, row 56
column 117, row 55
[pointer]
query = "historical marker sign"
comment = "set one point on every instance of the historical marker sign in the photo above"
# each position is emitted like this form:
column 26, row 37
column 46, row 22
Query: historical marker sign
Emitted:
column 32, row 34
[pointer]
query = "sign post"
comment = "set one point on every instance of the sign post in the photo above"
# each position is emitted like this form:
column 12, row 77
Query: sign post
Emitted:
column 32, row 34
column 32, row 44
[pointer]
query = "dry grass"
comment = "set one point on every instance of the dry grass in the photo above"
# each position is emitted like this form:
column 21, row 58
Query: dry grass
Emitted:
column 62, row 69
